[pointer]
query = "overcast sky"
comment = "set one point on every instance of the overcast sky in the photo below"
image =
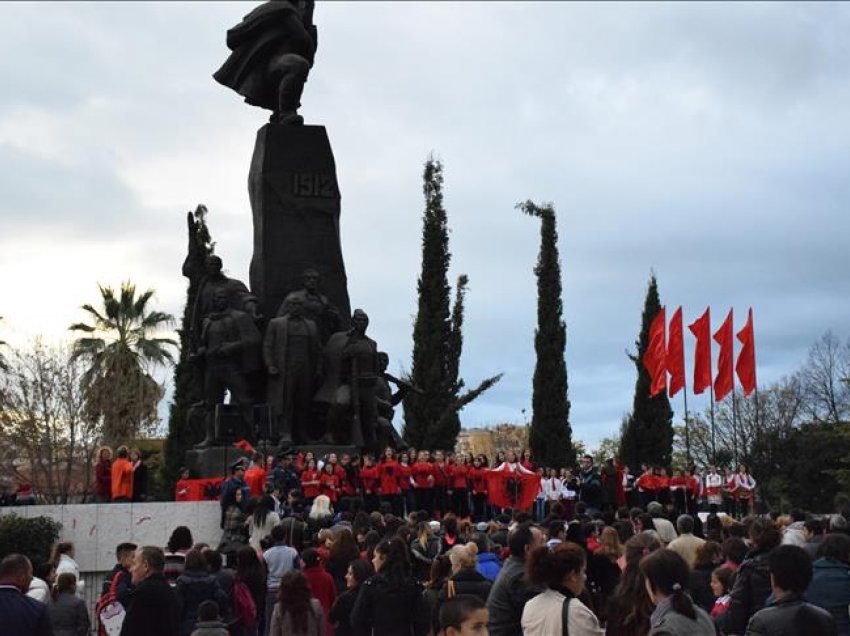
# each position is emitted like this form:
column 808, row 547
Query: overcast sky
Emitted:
column 709, row 142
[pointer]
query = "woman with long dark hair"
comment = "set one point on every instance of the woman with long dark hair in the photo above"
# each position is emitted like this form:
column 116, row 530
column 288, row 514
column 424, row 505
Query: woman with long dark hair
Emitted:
column 391, row 602
column 194, row 586
column 359, row 571
column 675, row 614
column 260, row 523
column 296, row 612
column 251, row 573
column 561, row 572
column 343, row 551
column 629, row 607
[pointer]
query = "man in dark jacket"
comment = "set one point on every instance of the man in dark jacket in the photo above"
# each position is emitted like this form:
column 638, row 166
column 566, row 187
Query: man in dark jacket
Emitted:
column 511, row 591
column 153, row 608
column 752, row 584
column 790, row 575
column 590, row 486
column 21, row 615
column 124, row 554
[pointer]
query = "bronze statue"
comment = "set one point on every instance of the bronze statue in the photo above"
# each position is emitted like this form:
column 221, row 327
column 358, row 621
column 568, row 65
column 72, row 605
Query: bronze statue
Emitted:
column 386, row 401
column 273, row 49
column 292, row 354
column 236, row 294
column 230, row 349
column 353, row 404
column 315, row 306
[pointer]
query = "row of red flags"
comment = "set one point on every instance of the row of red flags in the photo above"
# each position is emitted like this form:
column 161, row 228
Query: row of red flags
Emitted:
column 665, row 355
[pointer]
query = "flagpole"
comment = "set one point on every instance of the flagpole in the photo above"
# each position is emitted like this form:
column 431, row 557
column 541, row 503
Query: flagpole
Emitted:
column 713, row 435
column 734, row 428
column 687, row 433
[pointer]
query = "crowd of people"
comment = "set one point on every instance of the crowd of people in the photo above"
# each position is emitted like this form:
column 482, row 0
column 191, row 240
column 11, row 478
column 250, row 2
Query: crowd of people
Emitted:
column 351, row 555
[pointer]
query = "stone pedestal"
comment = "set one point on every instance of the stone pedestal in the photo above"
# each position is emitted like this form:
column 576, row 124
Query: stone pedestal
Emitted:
column 214, row 461
column 295, row 201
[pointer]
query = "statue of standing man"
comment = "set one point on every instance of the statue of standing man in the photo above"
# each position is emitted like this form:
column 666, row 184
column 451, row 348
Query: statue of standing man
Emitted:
column 272, row 52
column 292, row 354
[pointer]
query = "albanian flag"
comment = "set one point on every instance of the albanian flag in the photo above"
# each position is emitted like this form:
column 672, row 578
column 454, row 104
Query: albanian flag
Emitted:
column 725, row 379
column 676, row 353
column 512, row 486
column 655, row 356
column 701, row 328
column 746, row 364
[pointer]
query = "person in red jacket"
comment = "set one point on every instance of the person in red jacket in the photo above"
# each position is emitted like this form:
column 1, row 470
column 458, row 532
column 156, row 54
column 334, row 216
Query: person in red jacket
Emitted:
column 329, row 483
column 321, row 584
column 349, row 475
column 441, row 484
column 459, row 480
column 103, row 474
column 478, row 481
column 405, row 474
column 388, row 472
column 679, row 490
column 310, row 482
column 525, row 460
column 122, row 476
column 662, row 485
column 423, row 479
column 369, row 481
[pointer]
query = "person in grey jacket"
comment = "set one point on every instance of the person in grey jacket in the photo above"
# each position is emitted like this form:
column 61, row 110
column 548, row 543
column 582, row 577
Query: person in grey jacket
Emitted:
column 67, row 612
column 510, row 591
column 790, row 615
column 666, row 574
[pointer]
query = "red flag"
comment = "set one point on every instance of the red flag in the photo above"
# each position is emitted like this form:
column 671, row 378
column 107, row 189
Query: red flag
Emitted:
column 746, row 363
column 655, row 356
column 676, row 354
column 244, row 445
column 725, row 380
column 701, row 328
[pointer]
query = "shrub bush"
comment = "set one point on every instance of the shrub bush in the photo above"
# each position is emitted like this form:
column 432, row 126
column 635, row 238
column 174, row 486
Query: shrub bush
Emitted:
column 32, row 537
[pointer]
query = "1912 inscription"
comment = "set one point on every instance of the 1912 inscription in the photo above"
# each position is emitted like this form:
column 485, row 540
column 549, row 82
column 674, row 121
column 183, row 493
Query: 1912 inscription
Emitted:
column 313, row 184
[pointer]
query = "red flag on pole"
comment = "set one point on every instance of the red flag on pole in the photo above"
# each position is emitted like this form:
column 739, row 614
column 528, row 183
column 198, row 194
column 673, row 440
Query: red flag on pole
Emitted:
column 701, row 328
column 746, row 363
column 725, row 380
column 676, row 354
column 655, row 356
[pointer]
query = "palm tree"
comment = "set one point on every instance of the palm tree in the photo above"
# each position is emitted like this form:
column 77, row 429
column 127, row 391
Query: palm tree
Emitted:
column 122, row 348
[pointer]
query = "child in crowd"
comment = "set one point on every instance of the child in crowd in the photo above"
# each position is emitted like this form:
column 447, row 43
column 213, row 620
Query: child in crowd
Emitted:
column 209, row 622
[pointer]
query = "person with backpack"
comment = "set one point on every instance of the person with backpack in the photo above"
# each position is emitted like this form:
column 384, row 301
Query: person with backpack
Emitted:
column 249, row 593
column 557, row 609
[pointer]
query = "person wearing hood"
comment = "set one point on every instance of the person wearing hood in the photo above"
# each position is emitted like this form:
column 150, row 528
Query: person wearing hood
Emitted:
column 465, row 579
column 488, row 563
column 830, row 586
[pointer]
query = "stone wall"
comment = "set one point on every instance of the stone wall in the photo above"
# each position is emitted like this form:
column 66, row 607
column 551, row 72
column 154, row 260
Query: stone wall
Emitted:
column 95, row 529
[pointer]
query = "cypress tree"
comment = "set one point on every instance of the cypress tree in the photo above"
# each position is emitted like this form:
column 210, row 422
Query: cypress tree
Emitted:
column 648, row 433
column 188, row 388
column 550, row 436
column 431, row 417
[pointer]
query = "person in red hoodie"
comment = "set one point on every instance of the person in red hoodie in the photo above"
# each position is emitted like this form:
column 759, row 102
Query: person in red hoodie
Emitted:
column 459, row 480
column 423, row 478
column 388, row 473
column 370, row 482
column 322, row 585
column 310, row 481
column 329, row 483
column 478, row 481
column 441, row 484
column 405, row 472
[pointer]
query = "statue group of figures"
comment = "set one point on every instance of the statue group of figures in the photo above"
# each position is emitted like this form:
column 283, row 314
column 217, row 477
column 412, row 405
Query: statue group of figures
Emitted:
column 320, row 383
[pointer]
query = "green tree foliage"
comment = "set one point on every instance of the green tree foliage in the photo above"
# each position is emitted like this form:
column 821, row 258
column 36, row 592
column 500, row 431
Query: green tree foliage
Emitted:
column 188, row 389
column 31, row 536
column 648, row 435
column 550, row 434
column 431, row 417
column 120, row 347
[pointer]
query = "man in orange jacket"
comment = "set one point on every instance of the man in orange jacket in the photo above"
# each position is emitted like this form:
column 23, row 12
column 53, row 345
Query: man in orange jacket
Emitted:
column 122, row 476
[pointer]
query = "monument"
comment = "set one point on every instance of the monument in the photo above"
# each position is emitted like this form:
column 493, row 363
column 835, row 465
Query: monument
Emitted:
column 289, row 347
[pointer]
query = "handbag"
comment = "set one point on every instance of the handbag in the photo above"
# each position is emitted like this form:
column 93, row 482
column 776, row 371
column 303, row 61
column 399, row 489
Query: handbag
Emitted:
column 110, row 612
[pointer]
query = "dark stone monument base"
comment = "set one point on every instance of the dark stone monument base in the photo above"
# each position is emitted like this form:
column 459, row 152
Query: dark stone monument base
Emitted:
column 214, row 461
column 295, row 202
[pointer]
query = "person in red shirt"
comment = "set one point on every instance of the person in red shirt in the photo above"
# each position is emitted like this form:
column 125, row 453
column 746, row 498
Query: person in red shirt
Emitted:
column 694, row 489
column 423, row 482
column 329, row 483
column 441, row 484
column 662, row 485
column 310, row 482
column 255, row 476
column 349, row 475
column 459, row 476
column 478, row 481
column 405, row 474
column 370, row 482
column 103, row 474
column 388, row 472
column 525, row 460
column 646, row 486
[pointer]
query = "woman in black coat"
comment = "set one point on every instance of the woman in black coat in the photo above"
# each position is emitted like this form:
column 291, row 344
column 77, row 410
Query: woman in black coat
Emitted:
column 465, row 579
column 195, row 586
column 359, row 571
column 391, row 602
